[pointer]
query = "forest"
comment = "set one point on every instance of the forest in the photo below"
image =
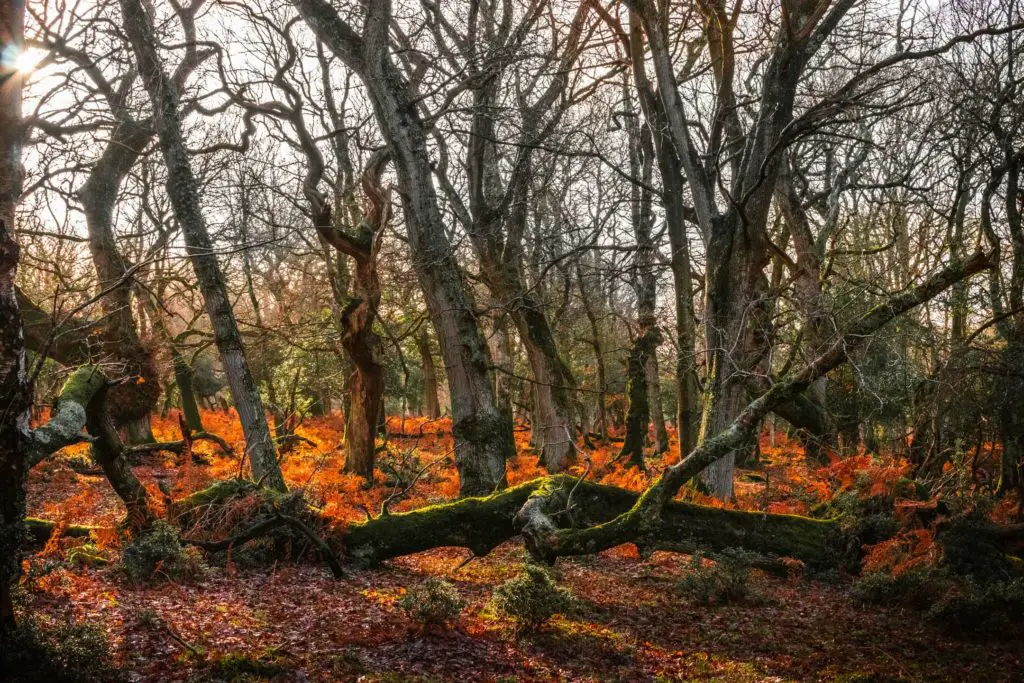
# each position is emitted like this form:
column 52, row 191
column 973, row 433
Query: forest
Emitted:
column 500, row 340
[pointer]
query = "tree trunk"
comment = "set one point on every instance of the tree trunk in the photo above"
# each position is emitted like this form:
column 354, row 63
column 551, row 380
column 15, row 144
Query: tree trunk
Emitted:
column 15, row 391
column 134, row 399
column 364, row 348
column 687, row 391
column 1010, row 396
column 553, row 420
column 501, row 352
column 108, row 450
column 810, row 301
column 139, row 431
column 431, row 408
column 654, row 400
column 638, row 415
column 482, row 432
column 183, row 378
column 673, row 198
column 183, row 192
column 598, row 346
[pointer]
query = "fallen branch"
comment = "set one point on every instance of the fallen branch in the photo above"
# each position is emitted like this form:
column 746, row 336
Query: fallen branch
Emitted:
column 179, row 447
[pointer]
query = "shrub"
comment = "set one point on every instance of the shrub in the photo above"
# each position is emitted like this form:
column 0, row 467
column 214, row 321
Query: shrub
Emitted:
column 950, row 602
column 158, row 551
column 65, row 652
column 434, row 602
column 531, row 598
column 971, row 608
column 726, row 581
column 916, row 589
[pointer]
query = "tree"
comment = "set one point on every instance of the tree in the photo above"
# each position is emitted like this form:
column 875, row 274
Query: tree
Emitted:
column 483, row 434
column 15, row 391
column 183, row 192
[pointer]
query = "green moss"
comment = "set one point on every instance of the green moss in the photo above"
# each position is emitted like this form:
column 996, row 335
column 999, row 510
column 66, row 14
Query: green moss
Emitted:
column 82, row 385
column 40, row 530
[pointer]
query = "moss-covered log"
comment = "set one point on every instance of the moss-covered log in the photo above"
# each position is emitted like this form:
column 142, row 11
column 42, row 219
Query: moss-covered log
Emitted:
column 39, row 531
column 481, row 524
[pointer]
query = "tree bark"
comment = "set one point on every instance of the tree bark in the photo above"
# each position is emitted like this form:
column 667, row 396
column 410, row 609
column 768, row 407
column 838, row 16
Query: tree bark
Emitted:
column 132, row 400
column 654, row 400
column 638, row 415
column 431, row 407
column 183, row 192
column 15, row 391
column 676, row 217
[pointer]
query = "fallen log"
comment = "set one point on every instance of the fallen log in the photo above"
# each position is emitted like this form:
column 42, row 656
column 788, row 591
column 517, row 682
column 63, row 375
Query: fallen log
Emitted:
column 38, row 531
column 481, row 524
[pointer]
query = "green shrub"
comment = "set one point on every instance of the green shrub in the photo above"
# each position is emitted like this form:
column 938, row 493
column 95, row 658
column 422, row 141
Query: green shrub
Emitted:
column 435, row 602
column 950, row 602
column 531, row 598
column 157, row 552
column 65, row 652
column 727, row 581
column 916, row 589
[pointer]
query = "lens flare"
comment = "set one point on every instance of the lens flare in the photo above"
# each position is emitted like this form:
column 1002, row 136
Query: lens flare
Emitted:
column 27, row 60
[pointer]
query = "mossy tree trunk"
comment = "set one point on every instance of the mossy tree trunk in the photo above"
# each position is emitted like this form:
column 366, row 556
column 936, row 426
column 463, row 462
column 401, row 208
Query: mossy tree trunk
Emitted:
column 638, row 412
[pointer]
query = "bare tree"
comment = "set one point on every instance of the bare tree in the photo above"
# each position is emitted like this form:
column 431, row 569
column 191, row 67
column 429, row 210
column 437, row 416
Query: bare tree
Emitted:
column 183, row 192
column 483, row 434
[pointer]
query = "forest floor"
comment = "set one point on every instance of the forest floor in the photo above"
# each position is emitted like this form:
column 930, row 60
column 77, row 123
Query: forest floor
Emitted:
column 293, row 621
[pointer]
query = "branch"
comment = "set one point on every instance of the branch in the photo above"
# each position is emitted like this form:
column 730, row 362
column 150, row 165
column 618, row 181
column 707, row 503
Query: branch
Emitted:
column 179, row 446
column 69, row 417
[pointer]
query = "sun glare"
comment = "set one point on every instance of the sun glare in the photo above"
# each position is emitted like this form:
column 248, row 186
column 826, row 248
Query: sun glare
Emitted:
column 27, row 60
